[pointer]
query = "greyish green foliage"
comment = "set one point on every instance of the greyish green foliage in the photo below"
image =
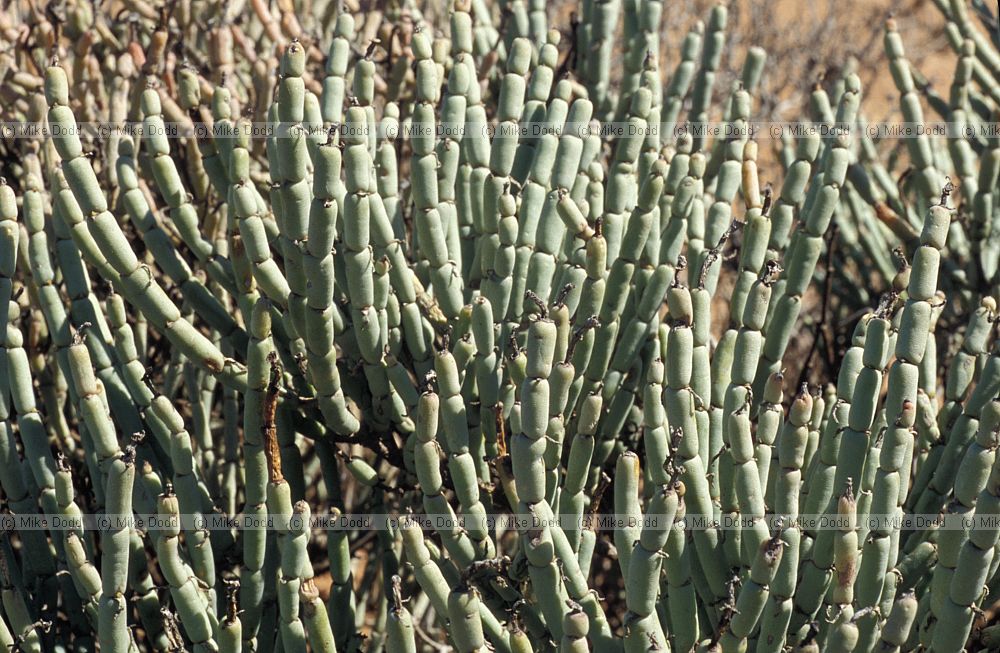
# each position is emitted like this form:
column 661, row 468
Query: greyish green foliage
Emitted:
column 357, row 312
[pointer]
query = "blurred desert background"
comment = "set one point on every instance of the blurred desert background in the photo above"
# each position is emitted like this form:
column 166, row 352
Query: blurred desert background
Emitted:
column 813, row 40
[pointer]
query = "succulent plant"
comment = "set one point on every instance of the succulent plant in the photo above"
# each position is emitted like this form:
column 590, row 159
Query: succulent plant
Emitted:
column 325, row 329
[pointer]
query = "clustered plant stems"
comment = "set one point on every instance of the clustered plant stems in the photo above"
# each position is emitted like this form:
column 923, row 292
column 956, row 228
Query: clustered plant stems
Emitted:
column 367, row 309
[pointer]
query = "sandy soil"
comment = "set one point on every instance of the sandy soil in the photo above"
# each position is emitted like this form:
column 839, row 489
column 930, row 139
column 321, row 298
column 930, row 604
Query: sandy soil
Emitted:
column 810, row 40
